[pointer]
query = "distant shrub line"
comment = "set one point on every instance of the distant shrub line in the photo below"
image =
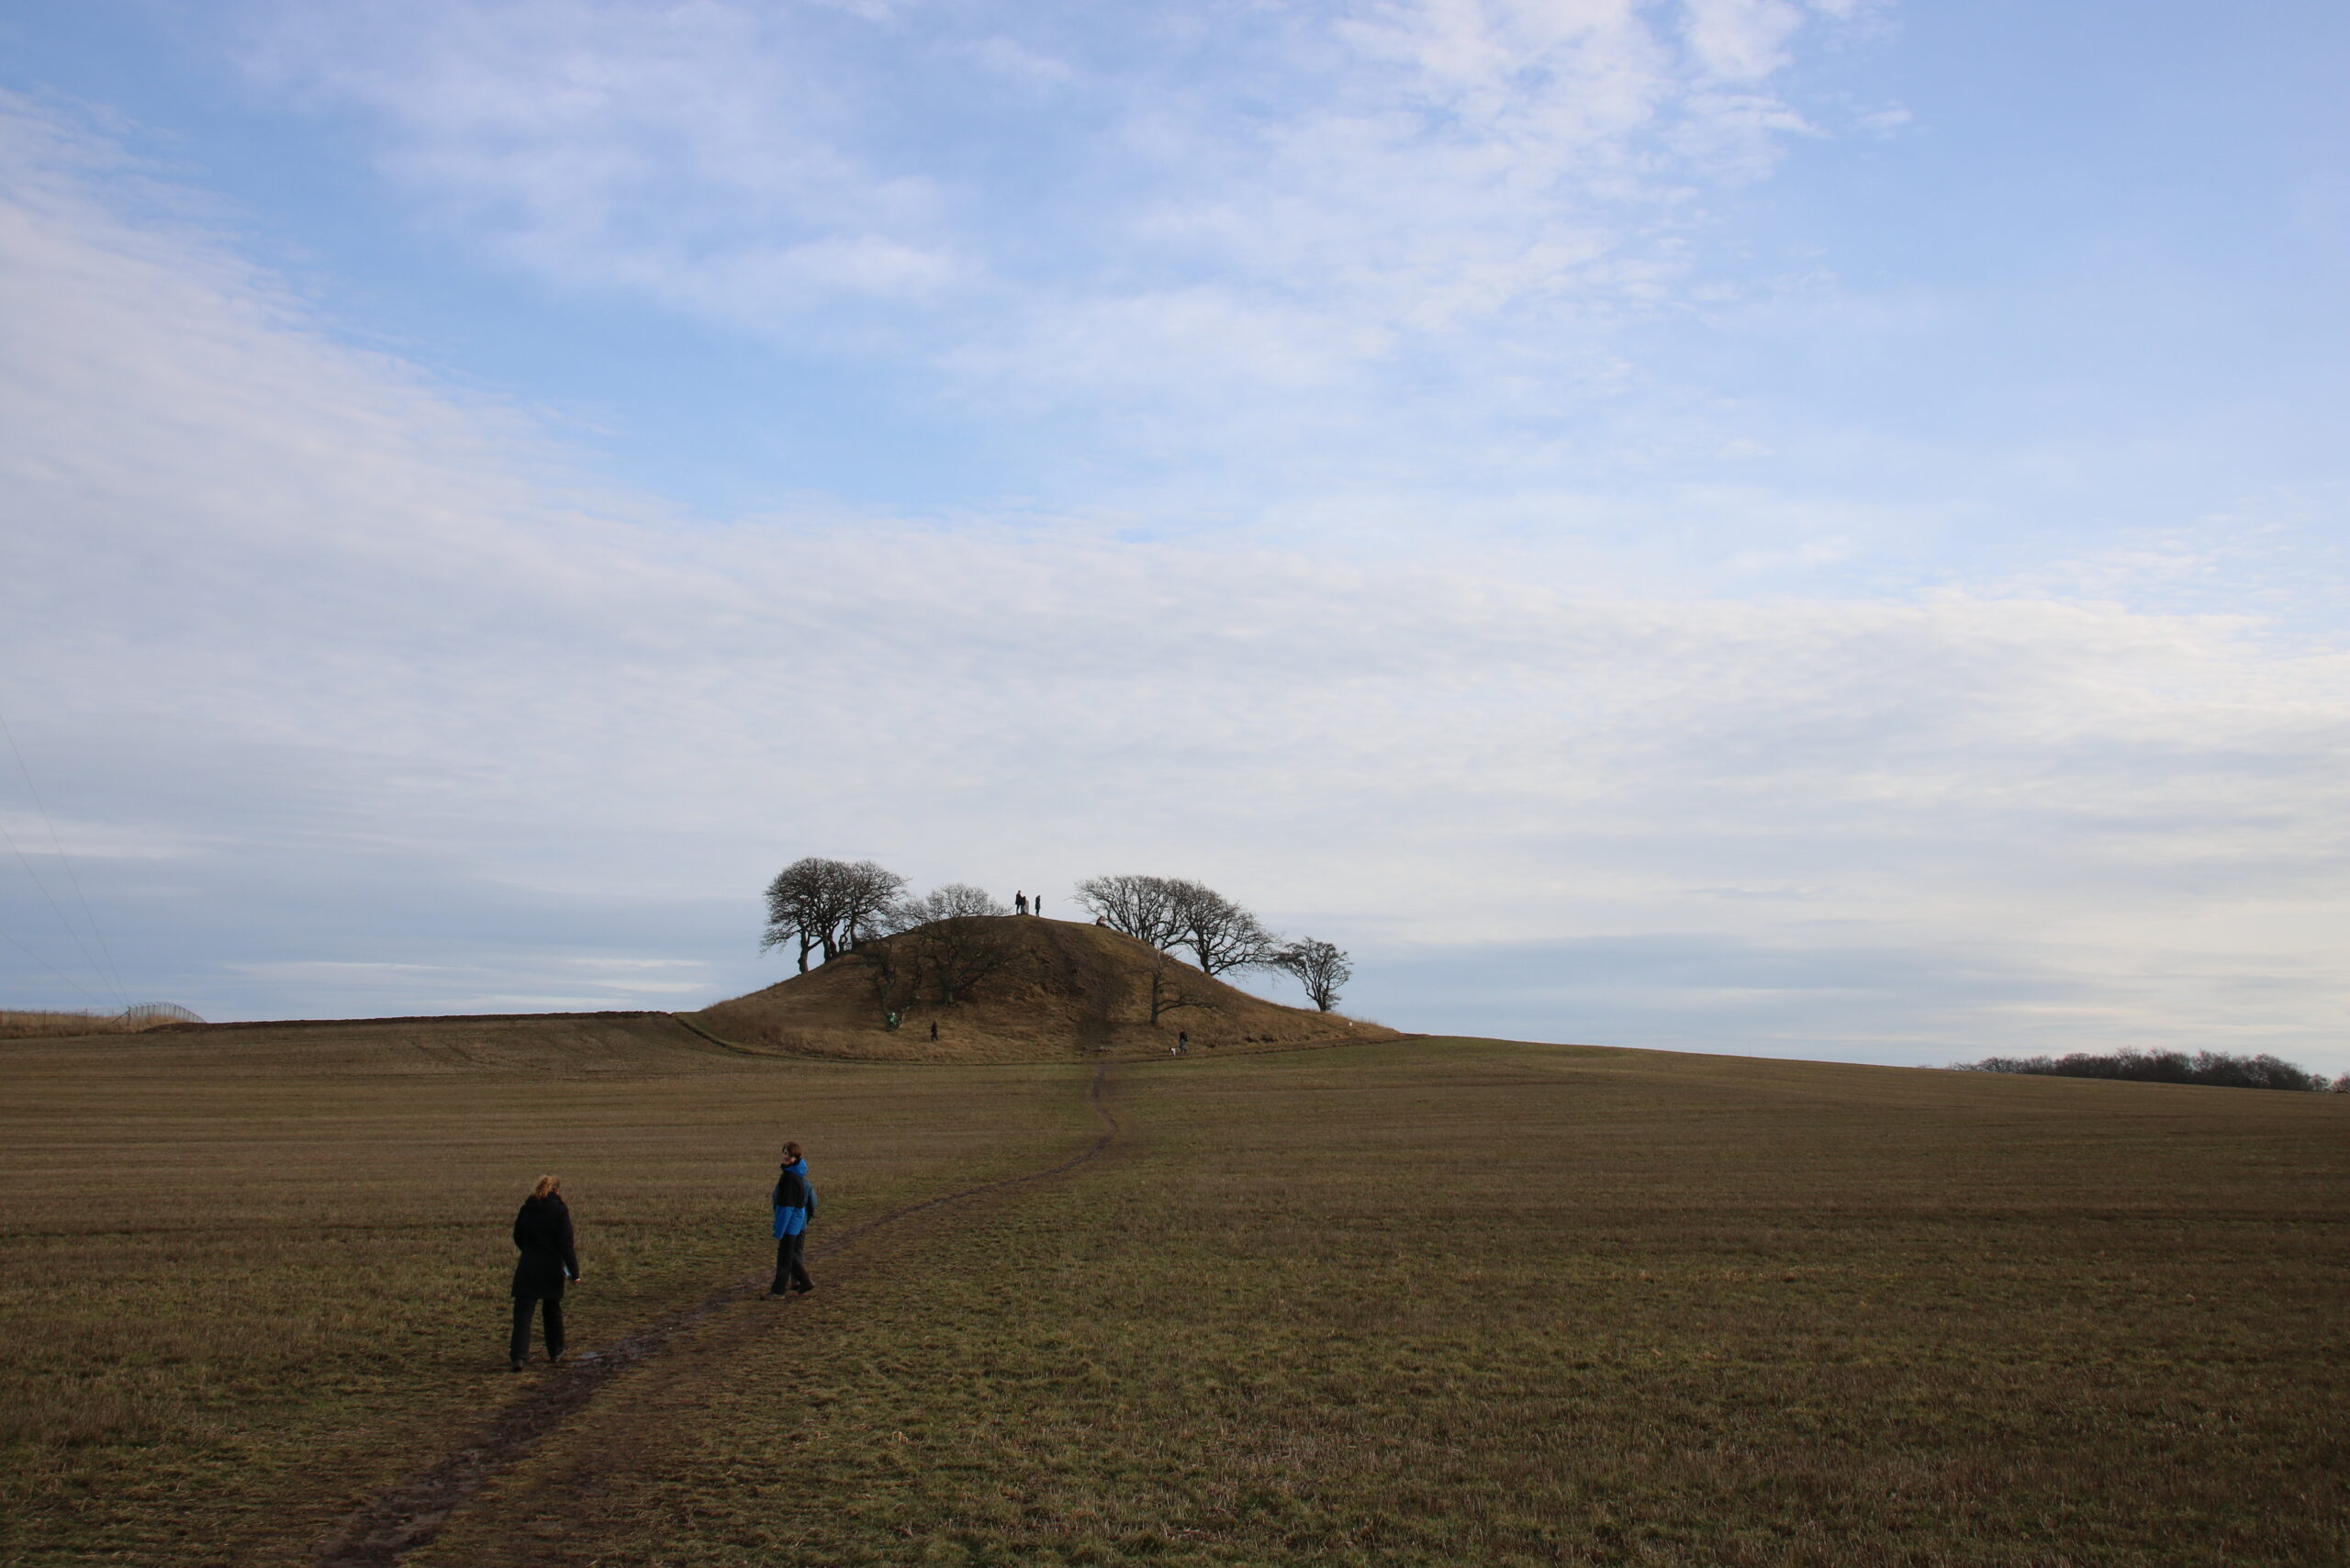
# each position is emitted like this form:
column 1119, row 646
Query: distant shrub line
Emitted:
column 2215, row 1067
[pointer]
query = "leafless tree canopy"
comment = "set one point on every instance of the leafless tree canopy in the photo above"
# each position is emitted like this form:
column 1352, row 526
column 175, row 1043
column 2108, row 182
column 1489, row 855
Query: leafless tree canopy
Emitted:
column 1142, row 907
column 1165, row 988
column 1319, row 967
column 1171, row 912
column 1174, row 911
column 829, row 905
column 946, row 943
column 1221, row 934
column 955, row 901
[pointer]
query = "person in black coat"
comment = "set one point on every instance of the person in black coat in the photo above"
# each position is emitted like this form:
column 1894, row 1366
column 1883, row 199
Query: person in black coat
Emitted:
column 542, row 1233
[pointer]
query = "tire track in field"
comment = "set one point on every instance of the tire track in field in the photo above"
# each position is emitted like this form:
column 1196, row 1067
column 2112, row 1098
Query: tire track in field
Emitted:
column 411, row 1513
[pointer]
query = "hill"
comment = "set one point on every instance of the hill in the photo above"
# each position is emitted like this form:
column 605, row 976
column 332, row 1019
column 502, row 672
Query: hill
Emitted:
column 1059, row 990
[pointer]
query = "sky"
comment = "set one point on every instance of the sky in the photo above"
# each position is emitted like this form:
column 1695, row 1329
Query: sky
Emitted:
column 1807, row 528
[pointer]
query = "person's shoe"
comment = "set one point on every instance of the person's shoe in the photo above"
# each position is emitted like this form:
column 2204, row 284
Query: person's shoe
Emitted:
column 802, row 1289
column 555, row 1358
column 513, row 1364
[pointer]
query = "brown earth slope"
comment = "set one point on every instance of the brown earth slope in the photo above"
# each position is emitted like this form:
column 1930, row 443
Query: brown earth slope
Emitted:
column 1066, row 990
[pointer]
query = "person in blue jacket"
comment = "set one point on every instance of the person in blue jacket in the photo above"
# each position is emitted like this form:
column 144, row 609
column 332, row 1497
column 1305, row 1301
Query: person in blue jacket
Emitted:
column 795, row 1205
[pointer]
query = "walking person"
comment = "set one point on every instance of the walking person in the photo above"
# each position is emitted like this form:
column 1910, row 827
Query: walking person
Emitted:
column 795, row 1205
column 542, row 1234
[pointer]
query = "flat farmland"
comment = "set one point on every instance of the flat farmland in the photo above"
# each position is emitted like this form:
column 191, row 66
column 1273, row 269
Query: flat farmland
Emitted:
column 248, row 1277
column 1426, row 1302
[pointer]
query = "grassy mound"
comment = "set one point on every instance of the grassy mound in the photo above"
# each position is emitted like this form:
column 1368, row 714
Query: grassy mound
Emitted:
column 1062, row 989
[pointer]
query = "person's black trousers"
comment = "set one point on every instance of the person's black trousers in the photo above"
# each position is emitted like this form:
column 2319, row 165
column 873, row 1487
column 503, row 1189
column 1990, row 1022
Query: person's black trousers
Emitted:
column 517, row 1349
column 789, row 1269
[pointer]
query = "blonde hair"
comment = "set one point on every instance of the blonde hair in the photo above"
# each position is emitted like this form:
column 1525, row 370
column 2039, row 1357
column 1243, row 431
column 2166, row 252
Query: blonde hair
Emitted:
column 548, row 1187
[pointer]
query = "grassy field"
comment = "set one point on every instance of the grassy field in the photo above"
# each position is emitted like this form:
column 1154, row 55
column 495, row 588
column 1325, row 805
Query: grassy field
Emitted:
column 1434, row 1302
column 248, row 1276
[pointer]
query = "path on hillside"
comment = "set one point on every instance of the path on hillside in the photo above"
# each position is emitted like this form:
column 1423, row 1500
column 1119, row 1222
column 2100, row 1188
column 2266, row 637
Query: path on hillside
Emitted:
column 411, row 1513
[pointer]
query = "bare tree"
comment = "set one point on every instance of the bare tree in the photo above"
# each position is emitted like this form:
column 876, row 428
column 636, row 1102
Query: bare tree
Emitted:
column 955, row 901
column 1319, row 967
column 1174, row 911
column 1221, row 934
column 937, row 947
column 1166, row 990
column 1142, row 907
column 867, row 894
column 892, row 968
column 797, row 908
column 828, row 904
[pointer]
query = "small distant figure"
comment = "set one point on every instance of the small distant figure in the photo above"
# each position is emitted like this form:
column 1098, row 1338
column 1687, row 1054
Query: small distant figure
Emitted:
column 795, row 1205
column 1101, row 919
column 1036, row 905
column 542, row 1234
column 1019, row 902
column 933, row 1028
column 1182, row 1042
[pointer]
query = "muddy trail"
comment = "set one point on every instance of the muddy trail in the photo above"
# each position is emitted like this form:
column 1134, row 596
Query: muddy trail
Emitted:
column 409, row 1514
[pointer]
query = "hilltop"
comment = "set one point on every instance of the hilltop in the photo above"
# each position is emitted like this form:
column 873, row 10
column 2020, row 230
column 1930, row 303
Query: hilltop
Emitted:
column 1063, row 990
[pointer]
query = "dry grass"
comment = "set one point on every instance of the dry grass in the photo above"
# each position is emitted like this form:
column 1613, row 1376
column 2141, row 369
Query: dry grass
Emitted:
column 21, row 1023
column 1072, row 991
column 248, row 1276
column 1425, row 1302
column 1473, row 1303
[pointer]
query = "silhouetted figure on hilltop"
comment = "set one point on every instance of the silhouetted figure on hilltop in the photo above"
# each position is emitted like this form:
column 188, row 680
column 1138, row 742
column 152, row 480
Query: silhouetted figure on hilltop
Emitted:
column 1019, row 902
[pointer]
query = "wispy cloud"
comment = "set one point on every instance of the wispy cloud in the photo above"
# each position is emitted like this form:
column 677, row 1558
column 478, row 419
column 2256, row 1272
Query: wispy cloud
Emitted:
column 702, row 155
column 1257, row 195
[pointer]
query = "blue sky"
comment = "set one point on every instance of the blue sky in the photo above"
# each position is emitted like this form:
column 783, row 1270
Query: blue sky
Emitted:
column 1813, row 529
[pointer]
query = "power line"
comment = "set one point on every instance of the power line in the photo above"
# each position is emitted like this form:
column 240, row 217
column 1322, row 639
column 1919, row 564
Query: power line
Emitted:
column 52, row 968
column 26, row 862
